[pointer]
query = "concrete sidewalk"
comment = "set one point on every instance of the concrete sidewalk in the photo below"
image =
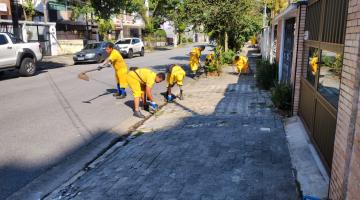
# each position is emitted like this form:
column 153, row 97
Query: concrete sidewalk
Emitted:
column 222, row 142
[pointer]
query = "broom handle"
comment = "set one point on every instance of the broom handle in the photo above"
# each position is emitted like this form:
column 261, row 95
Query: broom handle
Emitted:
column 92, row 70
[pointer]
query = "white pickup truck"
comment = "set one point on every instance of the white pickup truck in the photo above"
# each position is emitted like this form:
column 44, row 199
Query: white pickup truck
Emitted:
column 16, row 54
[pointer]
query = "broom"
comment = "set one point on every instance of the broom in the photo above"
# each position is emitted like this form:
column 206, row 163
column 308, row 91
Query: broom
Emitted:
column 83, row 75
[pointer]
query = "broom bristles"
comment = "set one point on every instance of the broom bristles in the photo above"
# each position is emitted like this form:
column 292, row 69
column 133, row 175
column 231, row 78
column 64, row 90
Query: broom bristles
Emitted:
column 83, row 76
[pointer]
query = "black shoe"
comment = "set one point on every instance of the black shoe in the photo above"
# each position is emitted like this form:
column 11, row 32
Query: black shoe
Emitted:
column 123, row 96
column 146, row 108
column 139, row 114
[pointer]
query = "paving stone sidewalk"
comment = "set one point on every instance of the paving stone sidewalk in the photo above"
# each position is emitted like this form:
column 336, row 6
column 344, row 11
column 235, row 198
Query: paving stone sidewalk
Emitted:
column 222, row 142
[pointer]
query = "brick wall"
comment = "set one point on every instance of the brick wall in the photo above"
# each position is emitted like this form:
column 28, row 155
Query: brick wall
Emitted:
column 342, row 185
column 300, row 67
column 353, row 186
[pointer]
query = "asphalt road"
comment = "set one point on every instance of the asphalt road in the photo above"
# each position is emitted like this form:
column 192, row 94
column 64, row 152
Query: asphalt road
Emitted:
column 43, row 120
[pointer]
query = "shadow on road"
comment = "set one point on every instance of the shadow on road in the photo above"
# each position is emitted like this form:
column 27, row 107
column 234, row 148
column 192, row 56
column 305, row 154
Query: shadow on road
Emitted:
column 42, row 67
column 17, row 174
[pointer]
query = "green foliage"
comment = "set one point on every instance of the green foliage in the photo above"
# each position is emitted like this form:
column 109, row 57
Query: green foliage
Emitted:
column 277, row 6
column 105, row 9
column 105, row 26
column 29, row 9
column 79, row 10
column 212, row 68
column 240, row 19
column 266, row 74
column 227, row 57
column 327, row 60
column 183, row 40
column 338, row 64
column 169, row 10
column 160, row 33
column 281, row 96
column 190, row 40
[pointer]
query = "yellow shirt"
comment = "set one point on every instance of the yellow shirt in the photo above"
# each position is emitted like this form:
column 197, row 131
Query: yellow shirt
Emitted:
column 146, row 75
column 314, row 64
column 242, row 64
column 118, row 62
column 197, row 51
column 176, row 75
column 210, row 59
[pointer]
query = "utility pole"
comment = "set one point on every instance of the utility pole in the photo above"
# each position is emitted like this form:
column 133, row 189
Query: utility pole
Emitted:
column 46, row 19
column 15, row 17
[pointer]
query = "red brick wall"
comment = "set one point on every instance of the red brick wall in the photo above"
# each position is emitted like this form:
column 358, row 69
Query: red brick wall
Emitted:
column 299, row 65
column 353, row 186
column 342, row 185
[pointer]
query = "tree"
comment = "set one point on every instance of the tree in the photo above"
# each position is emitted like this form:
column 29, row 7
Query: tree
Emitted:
column 104, row 9
column 81, row 10
column 276, row 6
column 230, row 22
column 28, row 9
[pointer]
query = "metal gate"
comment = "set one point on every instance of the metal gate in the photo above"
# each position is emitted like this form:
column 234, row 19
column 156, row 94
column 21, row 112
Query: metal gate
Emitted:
column 288, row 50
column 319, row 95
column 35, row 33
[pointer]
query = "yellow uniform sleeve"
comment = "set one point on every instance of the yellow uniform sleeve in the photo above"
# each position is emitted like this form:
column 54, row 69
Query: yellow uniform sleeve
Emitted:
column 117, row 61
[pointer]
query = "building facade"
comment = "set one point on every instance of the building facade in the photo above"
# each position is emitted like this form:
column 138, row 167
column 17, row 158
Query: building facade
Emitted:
column 325, row 77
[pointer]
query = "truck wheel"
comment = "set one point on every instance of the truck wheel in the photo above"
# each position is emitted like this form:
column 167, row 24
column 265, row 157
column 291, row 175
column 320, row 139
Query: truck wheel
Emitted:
column 142, row 52
column 27, row 67
column 130, row 54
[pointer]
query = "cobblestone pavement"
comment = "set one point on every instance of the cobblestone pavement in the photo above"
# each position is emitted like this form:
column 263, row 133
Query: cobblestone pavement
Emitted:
column 222, row 142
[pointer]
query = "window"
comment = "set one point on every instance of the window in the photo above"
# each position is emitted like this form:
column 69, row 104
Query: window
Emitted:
column 93, row 46
column 330, row 75
column 137, row 41
column 3, row 40
column 313, row 65
column 126, row 41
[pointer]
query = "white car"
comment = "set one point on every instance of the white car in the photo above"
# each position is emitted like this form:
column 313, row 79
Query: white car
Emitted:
column 130, row 46
column 16, row 54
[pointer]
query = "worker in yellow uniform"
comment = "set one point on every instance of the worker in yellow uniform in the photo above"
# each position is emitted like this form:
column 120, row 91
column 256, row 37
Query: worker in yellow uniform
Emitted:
column 195, row 55
column 210, row 59
column 241, row 64
column 141, row 82
column 175, row 75
column 314, row 64
column 120, row 68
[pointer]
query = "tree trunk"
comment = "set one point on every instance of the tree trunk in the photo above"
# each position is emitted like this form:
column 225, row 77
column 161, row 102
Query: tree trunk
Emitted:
column 179, row 42
column 226, row 42
column 46, row 19
column 25, row 16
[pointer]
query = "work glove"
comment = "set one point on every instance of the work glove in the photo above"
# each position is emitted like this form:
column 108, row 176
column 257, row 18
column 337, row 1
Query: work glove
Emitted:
column 153, row 105
column 170, row 98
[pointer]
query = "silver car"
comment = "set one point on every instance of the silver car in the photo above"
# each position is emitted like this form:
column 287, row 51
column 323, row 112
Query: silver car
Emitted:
column 94, row 52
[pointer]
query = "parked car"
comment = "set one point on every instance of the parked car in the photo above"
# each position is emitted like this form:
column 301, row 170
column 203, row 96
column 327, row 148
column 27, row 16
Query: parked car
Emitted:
column 93, row 52
column 16, row 54
column 130, row 46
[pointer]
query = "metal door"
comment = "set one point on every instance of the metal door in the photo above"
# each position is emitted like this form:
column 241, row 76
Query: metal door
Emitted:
column 288, row 50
